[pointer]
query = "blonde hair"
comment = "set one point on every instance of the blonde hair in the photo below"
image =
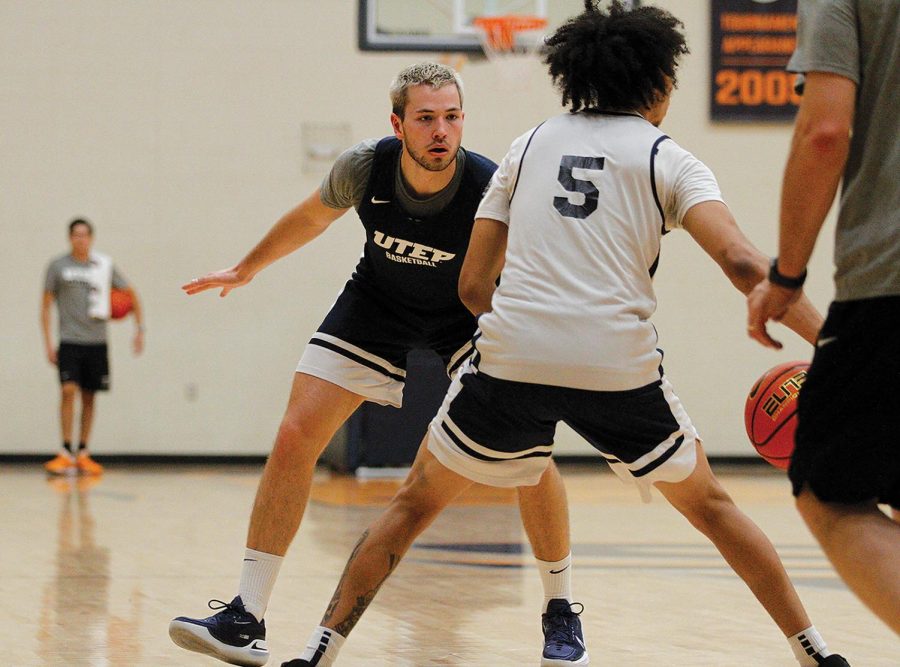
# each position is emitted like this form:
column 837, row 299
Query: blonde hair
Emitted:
column 435, row 74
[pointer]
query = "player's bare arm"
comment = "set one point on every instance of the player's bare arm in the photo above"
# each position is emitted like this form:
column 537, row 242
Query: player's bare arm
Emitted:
column 295, row 229
column 816, row 162
column 713, row 227
column 482, row 265
column 49, row 347
column 137, row 342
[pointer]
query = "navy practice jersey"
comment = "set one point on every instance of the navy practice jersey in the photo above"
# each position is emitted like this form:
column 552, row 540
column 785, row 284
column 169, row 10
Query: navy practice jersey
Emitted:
column 411, row 265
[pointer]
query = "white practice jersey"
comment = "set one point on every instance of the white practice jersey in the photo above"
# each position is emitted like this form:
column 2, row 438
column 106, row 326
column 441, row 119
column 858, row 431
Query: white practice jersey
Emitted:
column 587, row 197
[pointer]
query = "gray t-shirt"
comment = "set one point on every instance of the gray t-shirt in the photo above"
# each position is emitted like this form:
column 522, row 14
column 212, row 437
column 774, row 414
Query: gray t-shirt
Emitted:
column 806, row 10
column 860, row 40
column 345, row 185
column 69, row 282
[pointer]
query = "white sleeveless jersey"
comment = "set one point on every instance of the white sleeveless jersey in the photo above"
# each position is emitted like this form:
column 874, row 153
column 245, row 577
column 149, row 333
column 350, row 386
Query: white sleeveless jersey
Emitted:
column 587, row 197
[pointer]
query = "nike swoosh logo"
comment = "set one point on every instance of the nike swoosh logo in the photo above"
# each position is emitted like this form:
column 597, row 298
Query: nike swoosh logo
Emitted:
column 822, row 342
column 380, row 201
column 250, row 560
column 558, row 571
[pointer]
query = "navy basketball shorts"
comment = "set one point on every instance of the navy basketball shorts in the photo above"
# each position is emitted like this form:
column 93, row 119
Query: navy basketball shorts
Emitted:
column 85, row 365
column 847, row 445
column 500, row 433
column 363, row 342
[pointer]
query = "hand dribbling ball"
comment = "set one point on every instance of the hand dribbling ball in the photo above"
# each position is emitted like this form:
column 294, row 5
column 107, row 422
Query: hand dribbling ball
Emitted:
column 120, row 303
column 770, row 413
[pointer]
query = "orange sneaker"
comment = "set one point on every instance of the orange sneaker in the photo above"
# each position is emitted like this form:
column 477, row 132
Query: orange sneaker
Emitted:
column 88, row 466
column 63, row 464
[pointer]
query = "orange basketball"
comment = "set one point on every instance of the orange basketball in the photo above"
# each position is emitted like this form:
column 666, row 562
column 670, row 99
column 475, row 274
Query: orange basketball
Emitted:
column 770, row 413
column 120, row 303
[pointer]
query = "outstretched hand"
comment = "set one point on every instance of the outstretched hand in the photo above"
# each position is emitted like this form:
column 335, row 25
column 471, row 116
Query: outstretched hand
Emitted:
column 767, row 302
column 227, row 279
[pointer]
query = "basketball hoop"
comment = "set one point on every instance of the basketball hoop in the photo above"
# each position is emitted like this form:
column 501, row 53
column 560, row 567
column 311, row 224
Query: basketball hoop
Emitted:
column 509, row 41
column 502, row 33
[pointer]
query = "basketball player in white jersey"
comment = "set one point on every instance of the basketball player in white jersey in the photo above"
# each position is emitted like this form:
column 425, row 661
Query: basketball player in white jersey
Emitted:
column 416, row 194
column 572, row 224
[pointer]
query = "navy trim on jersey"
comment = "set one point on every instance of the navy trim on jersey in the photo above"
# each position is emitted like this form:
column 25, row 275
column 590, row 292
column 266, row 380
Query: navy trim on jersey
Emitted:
column 355, row 357
column 471, row 452
column 476, row 355
column 606, row 112
column 654, row 266
column 459, row 362
column 522, row 162
column 653, row 152
column 665, row 456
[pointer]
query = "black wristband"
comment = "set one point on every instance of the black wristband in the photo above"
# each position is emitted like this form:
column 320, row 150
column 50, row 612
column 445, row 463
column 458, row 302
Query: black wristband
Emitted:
column 777, row 278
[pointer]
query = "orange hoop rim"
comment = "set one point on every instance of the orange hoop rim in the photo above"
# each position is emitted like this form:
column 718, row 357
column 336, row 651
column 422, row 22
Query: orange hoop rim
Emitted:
column 500, row 31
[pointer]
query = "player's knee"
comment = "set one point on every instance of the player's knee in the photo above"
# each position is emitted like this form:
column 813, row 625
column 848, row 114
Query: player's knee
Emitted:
column 69, row 389
column 413, row 508
column 298, row 437
column 709, row 509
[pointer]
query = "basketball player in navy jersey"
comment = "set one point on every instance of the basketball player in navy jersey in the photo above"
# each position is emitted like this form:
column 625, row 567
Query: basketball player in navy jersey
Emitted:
column 416, row 194
column 572, row 224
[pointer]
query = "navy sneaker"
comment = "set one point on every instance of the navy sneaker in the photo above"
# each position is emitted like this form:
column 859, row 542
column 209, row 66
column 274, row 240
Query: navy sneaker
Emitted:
column 563, row 641
column 833, row 660
column 232, row 635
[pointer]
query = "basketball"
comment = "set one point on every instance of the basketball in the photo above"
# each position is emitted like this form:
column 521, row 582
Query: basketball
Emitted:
column 770, row 413
column 120, row 303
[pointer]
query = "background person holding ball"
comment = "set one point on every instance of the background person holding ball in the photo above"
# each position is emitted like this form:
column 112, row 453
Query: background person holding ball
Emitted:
column 81, row 283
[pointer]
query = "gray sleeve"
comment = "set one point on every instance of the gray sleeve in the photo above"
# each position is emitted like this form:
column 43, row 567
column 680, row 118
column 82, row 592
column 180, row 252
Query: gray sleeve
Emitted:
column 806, row 16
column 118, row 280
column 51, row 278
column 345, row 184
column 832, row 44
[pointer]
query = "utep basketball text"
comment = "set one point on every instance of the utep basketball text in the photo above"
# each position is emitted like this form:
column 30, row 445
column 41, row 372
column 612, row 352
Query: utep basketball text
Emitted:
column 408, row 252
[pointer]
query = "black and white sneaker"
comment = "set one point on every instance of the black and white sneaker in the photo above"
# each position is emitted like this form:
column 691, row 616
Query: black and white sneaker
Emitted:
column 297, row 662
column 563, row 641
column 232, row 635
column 833, row 660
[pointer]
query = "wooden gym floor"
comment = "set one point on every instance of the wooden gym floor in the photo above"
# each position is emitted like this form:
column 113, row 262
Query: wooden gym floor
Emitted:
column 93, row 570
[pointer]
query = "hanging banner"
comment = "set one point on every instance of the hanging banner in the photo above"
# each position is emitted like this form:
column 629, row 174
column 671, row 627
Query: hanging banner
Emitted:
column 752, row 41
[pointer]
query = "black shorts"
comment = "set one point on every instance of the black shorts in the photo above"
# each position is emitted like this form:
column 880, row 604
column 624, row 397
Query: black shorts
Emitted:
column 500, row 432
column 364, row 340
column 86, row 365
column 848, row 434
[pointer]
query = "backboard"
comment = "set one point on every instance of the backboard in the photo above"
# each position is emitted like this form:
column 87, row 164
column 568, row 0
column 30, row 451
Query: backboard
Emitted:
column 446, row 25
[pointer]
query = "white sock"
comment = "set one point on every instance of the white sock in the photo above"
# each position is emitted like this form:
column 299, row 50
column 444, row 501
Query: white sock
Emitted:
column 325, row 644
column 257, row 580
column 557, row 579
column 808, row 644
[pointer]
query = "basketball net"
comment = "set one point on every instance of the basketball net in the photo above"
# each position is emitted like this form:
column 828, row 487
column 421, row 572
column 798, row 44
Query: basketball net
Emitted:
column 510, row 43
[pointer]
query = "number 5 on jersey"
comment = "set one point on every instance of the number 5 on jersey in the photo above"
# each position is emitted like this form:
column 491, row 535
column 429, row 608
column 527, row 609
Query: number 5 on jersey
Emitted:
column 573, row 184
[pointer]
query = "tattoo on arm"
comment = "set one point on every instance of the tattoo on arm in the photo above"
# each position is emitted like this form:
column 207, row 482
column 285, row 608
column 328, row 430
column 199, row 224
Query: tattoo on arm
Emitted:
column 362, row 601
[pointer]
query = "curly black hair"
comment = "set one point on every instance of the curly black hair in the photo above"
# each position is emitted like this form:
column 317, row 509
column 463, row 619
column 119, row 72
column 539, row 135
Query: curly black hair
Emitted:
column 616, row 60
